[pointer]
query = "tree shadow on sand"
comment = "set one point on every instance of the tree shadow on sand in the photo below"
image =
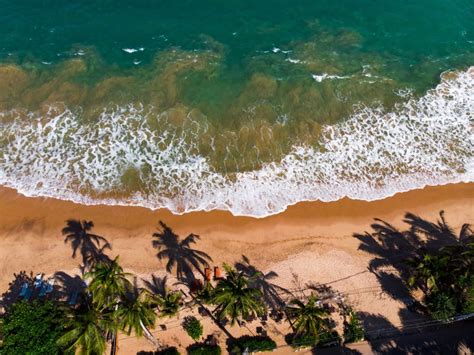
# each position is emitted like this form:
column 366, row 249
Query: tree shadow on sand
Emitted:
column 11, row 295
column 69, row 284
column 91, row 246
column 180, row 254
column 391, row 247
column 272, row 293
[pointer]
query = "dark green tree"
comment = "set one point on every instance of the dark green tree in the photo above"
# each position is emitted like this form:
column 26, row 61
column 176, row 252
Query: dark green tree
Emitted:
column 309, row 319
column 235, row 298
column 32, row 328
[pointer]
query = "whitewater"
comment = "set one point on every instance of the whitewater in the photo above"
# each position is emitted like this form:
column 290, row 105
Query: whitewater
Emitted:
column 371, row 155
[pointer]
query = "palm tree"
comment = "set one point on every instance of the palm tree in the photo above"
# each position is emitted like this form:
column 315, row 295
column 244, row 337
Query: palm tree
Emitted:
column 87, row 329
column 427, row 271
column 179, row 253
column 136, row 312
column 108, row 283
column 235, row 298
column 108, row 286
column 308, row 319
column 263, row 281
column 89, row 244
column 168, row 302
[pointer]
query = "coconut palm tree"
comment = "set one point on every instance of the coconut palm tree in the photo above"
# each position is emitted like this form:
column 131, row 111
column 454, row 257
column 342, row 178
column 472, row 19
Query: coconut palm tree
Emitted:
column 91, row 246
column 235, row 298
column 136, row 312
column 309, row 320
column 169, row 302
column 179, row 253
column 86, row 330
column 108, row 283
column 263, row 281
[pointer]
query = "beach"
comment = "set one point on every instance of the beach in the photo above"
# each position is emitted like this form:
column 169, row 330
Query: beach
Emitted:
column 310, row 242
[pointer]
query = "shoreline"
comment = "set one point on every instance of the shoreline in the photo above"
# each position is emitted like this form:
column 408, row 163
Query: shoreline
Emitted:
column 38, row 221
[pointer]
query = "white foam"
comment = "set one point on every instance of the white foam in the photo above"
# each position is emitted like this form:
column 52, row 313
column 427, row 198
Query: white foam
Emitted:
column 320, row 77
column 130, row 50
column 372, row 155
column 292, row 60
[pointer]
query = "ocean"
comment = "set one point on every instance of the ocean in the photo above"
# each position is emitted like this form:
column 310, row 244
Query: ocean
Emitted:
column 240, row 105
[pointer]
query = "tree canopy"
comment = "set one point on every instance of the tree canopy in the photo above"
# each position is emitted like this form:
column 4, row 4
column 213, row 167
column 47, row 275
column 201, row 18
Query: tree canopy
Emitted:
column 32, row 328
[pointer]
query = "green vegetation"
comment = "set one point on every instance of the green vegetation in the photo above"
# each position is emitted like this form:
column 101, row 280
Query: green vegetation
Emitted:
column 235, row 298
column 446, row 275
column 204, row 349
column 252, row 344
column 309, row 320
column 353, row 329
column 168, row 351
column 193, row 327
column 32, row 328
column 115, row 304
column 169, row 302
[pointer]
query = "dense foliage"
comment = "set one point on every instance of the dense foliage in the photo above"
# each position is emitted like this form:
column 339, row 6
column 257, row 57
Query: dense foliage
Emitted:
column 193, row 327
column 446, row 276
column 235, row 298
column 168, row 351
column 353, row 329
column 310, row 320
column 114, row 304
column 204, row 349
column 32, row 328
column 251, row 344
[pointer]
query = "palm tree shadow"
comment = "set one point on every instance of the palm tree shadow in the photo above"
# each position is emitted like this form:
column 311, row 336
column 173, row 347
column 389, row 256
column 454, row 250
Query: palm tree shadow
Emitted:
column 438, row 234
column 180, row 254
column 391, row 248
column 91, row 246
column 69, row 284
column 272, row 293
column 156, row 285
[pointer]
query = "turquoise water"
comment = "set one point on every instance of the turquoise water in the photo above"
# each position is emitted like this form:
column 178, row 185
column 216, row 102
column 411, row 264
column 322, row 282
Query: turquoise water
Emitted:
column 234, row 105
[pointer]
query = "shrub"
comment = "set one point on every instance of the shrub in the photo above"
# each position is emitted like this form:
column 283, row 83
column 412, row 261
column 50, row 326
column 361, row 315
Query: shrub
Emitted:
column 441, row 306
column 204, row 349
column 32, row 328
column 328, row 339
column 299, row 341
column 353, row 330
column 252, row 344
column 193, row 327
column 168, row 351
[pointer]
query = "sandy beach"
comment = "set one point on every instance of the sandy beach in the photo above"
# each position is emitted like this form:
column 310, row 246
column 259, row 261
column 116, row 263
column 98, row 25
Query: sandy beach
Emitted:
column 311, row 241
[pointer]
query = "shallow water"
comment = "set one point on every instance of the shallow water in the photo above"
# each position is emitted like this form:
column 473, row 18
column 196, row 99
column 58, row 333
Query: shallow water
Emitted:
column 244, row 105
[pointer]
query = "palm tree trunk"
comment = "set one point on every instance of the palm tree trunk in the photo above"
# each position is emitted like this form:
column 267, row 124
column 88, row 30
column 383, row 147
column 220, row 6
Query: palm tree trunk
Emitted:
column 150, row 336
column 113, row 347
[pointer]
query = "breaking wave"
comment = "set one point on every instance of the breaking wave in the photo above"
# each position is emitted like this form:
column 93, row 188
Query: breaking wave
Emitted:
column 372, row 155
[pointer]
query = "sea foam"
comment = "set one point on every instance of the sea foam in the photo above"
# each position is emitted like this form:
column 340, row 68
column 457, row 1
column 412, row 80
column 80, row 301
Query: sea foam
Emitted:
column 372, row 155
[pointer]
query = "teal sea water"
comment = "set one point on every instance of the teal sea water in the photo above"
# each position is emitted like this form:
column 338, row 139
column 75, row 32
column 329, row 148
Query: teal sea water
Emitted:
column 242, row 105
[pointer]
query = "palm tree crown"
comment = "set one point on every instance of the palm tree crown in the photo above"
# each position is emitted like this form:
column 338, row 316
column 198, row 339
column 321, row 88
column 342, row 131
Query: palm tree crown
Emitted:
column 86, row 330
column 108, row 282
column 235, row 298
column 309, row 319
